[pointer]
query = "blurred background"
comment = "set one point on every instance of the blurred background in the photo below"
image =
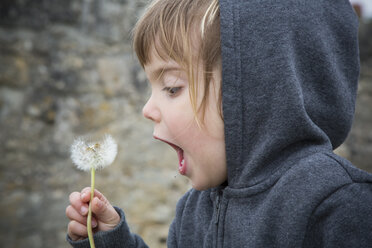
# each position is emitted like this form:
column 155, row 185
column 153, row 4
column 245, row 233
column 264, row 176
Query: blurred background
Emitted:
column 67, row 69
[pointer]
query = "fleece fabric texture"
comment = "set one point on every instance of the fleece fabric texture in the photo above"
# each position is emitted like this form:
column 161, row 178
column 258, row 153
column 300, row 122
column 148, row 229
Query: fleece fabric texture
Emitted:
column 290, row 72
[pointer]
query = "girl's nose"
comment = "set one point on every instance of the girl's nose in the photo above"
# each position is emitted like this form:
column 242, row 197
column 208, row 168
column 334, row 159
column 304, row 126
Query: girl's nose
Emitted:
column 150, row 111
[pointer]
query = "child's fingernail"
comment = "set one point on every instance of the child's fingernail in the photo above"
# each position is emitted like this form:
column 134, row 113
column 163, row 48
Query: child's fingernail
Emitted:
column 94, row 223
column 83, row 195
column 83, row 210
column 99, row 204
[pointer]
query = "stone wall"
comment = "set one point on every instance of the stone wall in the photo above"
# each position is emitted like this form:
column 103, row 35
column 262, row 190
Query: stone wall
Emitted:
column 358, row 146
column 67, row 69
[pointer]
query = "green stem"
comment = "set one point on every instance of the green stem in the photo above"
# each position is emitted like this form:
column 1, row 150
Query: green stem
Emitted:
column 89, row 223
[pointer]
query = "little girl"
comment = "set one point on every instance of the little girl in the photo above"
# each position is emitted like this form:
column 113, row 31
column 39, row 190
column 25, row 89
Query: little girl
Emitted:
column 253, row 96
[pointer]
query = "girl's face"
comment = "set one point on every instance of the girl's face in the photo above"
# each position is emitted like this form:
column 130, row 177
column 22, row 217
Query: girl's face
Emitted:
column 200, row 150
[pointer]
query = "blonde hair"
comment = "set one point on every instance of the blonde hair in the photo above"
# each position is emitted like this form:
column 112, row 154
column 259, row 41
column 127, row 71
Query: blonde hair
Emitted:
column 173, row 28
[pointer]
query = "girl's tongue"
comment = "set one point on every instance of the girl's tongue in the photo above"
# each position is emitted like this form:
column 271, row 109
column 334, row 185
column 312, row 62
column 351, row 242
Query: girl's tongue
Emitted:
column 181, row 161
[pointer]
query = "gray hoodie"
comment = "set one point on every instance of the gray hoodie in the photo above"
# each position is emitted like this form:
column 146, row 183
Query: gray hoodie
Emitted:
column 290, row 72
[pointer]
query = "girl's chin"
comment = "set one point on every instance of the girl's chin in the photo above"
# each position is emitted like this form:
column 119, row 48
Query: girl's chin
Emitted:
column 200, row 186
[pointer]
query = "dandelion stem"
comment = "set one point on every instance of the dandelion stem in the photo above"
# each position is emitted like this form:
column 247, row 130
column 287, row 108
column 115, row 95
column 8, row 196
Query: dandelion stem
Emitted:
column 89, row 223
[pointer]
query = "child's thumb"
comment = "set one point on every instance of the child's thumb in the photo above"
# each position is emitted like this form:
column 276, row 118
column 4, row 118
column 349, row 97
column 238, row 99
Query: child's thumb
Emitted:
column 105, row 212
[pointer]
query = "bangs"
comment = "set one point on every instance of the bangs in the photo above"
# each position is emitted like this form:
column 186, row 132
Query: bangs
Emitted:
column 170, row 27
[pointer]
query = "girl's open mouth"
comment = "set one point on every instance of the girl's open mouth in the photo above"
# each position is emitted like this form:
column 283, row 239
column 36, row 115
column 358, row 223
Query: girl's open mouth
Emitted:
column 181, row 159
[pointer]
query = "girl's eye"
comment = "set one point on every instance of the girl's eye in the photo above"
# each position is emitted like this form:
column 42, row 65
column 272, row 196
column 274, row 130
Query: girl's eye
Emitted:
column 172, row 91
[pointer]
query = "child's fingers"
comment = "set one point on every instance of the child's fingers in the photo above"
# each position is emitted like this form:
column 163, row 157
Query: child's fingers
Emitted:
column 105, row 212
column 105, row 216
column 78, row 204
column 100, row 208
column 72, row 214
column 76, row 230
column 85, row 194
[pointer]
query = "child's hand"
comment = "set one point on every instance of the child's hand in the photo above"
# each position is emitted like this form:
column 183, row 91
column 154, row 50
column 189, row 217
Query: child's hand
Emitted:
column 104, row 216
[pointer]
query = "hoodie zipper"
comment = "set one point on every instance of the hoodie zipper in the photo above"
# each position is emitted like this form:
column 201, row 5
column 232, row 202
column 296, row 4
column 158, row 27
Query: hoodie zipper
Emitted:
column 217, row 211
column 218, row 207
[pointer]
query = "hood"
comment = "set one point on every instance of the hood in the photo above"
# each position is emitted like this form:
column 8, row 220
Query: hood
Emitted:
column 290, row 72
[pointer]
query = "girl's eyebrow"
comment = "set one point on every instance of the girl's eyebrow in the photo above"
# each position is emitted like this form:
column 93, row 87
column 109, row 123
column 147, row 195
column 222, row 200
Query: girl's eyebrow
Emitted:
column 158, row 73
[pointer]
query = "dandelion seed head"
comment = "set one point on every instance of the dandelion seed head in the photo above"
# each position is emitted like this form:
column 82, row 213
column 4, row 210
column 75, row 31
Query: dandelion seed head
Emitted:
column 98, row 155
